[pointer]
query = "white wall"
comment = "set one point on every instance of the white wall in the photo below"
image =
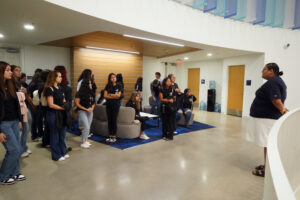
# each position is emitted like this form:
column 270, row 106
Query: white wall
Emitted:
column 209, row 70
column 167, row 18
column 150, row 66
column 44, row 57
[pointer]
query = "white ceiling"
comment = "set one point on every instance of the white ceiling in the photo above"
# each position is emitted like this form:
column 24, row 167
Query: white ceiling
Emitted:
column 53, row 22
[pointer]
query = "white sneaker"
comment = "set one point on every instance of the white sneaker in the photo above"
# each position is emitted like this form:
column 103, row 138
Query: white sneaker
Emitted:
column 66, row 156
column 29, row 151
column 88, row 143
column 144, row 137
column 85, row 145
column 61, row 159
column 25, row 154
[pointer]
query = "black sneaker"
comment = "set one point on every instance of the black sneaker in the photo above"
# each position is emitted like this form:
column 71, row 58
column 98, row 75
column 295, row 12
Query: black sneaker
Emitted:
column 69, row 149
column 19, row 177
column 9, row 181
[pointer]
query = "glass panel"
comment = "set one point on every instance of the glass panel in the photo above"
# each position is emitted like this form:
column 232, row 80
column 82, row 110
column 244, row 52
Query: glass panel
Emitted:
column 221, row 7
column 199, row 3
column 297, row 15
column 210, row 5
column 231, row 8
column 241, row 10
column 260, row 11
column 270, row 12
column 279, row 13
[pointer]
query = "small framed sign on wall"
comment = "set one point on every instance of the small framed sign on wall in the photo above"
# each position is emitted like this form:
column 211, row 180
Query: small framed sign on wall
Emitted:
column 202, row 81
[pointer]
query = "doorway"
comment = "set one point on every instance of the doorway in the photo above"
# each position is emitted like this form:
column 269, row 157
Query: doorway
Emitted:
column 236, row 77
column 194, row 83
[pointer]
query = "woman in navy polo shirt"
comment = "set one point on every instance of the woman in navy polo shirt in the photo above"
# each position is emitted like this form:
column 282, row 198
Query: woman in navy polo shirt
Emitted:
column 267, row 107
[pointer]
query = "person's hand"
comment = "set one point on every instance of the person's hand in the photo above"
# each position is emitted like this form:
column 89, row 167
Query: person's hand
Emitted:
column 2, row 137
column 285, row 110
column 154, row 99
column 177, row 90
column 20, row 125
column 90, row 110
column 171, row 100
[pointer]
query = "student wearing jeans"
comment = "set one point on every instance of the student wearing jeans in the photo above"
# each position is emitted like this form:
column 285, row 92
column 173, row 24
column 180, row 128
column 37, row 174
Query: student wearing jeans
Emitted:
column 85, row 102
column 55, row 100
column 185, row 107
column 16, row 75
column 10, row 123
column 112, row 94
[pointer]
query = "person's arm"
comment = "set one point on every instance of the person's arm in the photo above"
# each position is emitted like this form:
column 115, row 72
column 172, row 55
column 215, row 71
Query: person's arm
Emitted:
column 107, row 96
column 279, row 105
column 116, row 96
column 52, row 105
column 2, row 137
column 77, row 103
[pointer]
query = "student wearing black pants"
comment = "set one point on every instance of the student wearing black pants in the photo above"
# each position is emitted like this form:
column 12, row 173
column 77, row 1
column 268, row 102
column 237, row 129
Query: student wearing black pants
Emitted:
column 167, row 97
column 112, row 94
column 135, row 103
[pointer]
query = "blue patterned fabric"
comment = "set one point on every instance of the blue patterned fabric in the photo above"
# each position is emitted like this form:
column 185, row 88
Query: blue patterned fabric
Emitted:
column 152, row 131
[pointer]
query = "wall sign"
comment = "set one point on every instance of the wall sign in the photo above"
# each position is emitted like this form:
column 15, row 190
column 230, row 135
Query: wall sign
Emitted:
column 202, row 81
column 248, row 82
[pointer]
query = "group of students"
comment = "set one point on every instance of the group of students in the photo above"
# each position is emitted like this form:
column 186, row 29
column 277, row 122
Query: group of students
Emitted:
column 170, row 104
column 48, row 99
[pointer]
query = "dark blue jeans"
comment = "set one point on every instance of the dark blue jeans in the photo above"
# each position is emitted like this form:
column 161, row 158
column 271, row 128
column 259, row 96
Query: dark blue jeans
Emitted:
column 57, row 137
column 155, row 109
column 186, row 112
column 24, row 135
column 46, row 133
column 11, row 163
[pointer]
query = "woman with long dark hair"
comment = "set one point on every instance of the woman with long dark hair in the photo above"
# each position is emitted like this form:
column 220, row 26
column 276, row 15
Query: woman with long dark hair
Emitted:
column 167, row 97
column 85, row 102
column 112, row 94
column 10, row 124
column 67, row 91
column 87, row 74
column 135, row 103
column 36, row 124
column 267, row 107
column 55, row 100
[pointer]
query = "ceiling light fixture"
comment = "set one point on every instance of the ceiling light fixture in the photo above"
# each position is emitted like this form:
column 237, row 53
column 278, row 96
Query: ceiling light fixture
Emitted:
column 209, row 54
column 29, row 27
column 186, row 58
column 1, row 35
column 114, row 50
column 152, row 40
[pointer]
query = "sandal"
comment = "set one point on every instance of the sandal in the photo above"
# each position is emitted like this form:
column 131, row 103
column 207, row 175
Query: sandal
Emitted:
column 260, row 167
column 259, row 172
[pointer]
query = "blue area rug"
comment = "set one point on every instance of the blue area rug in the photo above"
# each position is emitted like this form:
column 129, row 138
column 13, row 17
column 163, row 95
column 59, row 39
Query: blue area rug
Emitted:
column 154, row 132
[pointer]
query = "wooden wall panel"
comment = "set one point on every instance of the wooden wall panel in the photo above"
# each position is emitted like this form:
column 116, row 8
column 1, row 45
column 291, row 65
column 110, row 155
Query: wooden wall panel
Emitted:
column 104, row 62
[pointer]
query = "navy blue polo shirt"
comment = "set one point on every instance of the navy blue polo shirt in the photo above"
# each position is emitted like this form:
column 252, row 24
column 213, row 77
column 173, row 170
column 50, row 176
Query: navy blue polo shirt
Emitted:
column 262, row 106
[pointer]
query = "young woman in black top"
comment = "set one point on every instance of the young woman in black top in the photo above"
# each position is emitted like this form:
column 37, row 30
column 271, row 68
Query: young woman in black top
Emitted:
column 85, row 102
column 167, row 97
column 135, row 103
column 267, row 107
column 112, row 94
column 10, row 124
column 55, row 99
column 185, row 106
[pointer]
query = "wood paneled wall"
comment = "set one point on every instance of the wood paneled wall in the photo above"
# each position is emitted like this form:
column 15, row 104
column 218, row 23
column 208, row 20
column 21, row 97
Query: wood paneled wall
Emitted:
column 104, row 62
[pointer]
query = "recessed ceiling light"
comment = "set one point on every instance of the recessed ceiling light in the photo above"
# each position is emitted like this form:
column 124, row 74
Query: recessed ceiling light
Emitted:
column 114, row 50
column 209, row 54
column 1, row 35
column 153, row 40
column 29, row 26
column 186, row 58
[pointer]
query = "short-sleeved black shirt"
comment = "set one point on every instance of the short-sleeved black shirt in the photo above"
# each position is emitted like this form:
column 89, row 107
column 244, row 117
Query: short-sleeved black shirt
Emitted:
column 113, row 90
column 262, row 106
column 86, row 101
column 168, row 93
column 57, row 94
column 188, row 101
